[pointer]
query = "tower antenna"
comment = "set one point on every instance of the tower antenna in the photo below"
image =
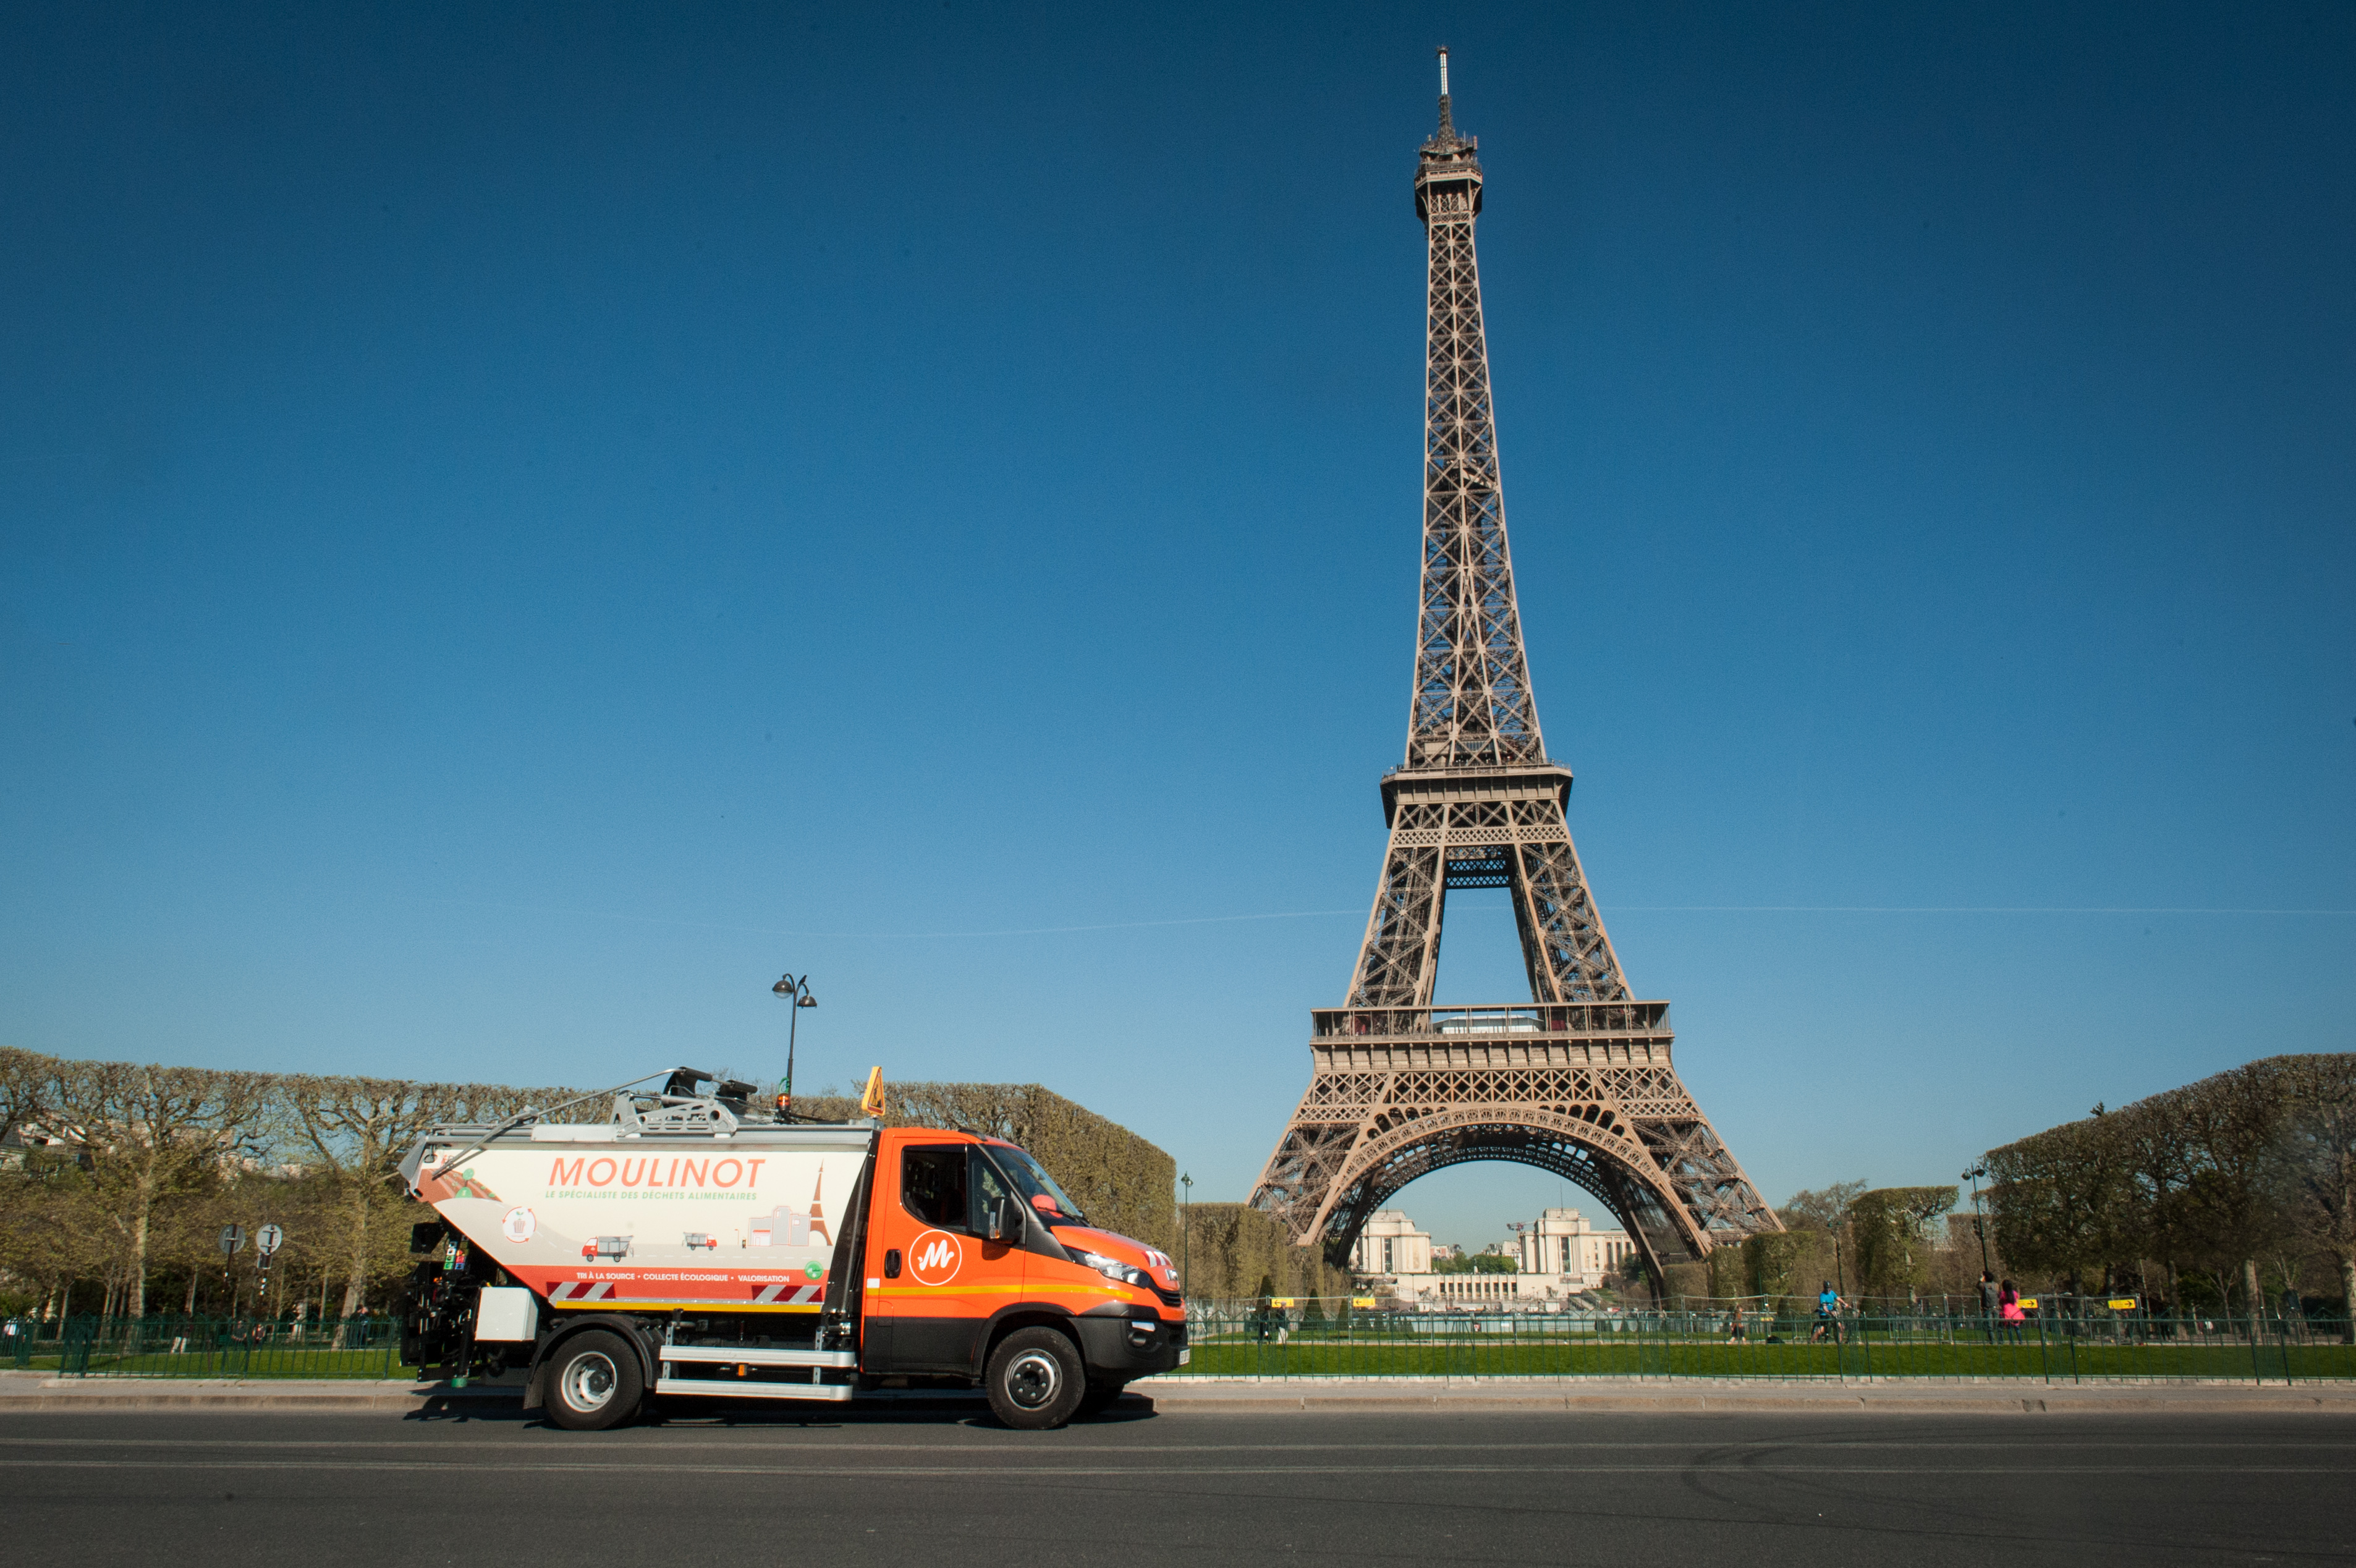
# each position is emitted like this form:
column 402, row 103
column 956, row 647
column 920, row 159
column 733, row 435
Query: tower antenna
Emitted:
column 1443, row 70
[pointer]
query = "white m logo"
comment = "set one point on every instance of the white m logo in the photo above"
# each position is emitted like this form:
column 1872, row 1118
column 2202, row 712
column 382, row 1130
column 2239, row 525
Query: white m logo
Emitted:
column 933, row 1257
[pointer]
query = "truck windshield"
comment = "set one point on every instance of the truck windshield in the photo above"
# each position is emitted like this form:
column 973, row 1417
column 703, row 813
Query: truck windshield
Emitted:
column 1032, row 1180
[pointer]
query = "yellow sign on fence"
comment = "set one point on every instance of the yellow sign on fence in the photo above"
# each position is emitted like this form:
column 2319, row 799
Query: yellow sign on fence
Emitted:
column 1364, row 1303
column 1282, row 1301
column 2123, row 1303
column 2029, row 1303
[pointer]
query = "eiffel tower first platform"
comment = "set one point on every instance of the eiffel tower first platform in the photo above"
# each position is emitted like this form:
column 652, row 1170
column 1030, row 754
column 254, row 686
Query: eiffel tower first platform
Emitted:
column 1579, row 1080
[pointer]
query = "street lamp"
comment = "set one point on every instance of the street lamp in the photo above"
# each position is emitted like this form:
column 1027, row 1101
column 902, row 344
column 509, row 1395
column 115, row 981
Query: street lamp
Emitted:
column 1185, row 1235
column 797, row 994
column 1979, row 1225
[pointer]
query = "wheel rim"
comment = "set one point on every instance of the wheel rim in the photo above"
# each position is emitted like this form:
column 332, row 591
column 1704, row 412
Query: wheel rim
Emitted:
column 588, row 1383
column 1033, row 1380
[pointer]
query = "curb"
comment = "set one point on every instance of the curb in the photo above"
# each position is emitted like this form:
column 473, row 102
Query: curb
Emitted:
column 398, row 1394
column 1605, row 1405
column 1868, row 1401
column 242, row 1399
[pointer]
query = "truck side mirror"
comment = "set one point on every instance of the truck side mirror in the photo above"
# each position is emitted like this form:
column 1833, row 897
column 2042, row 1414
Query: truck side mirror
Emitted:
column 1006, row 1221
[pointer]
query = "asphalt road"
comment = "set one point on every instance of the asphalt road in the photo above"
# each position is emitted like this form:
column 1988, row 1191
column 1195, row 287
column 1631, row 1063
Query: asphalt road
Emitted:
column 192, row 1490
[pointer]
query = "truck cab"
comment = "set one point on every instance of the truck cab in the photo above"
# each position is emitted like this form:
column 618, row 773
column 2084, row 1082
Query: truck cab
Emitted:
column 970, row 1242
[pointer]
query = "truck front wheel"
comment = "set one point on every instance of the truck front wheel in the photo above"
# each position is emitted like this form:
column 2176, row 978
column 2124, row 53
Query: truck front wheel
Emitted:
column 594, row 1383
column 1035, row 1380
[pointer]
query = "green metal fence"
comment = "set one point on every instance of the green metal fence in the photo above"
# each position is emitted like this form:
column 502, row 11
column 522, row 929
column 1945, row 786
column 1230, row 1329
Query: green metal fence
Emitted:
column 1247, row 1340
column 203, row 1347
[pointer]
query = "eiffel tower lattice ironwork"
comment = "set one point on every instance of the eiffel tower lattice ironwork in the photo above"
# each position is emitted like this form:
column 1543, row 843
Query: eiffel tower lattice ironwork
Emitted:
column 1577, row 1081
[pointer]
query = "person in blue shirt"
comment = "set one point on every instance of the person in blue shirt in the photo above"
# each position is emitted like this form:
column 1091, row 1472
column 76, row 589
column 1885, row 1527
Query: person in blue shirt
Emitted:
column 1829, row 1310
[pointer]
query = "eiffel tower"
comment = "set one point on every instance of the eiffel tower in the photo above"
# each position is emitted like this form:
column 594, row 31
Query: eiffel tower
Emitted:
column 1579, row 1080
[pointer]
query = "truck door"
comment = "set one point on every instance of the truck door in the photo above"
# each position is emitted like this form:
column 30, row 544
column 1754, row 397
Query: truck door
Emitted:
column 935, row 1279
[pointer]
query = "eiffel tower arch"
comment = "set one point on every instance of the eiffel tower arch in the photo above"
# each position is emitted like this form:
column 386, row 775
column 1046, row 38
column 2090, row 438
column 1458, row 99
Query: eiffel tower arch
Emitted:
column 1579, row 1080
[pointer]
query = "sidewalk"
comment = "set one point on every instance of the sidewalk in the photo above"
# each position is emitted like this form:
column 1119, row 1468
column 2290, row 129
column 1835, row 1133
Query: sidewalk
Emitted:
column 28, row 1391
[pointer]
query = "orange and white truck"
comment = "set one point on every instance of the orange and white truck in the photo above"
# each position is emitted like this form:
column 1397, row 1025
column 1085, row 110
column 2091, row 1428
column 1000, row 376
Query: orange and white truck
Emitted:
column 694, row 1244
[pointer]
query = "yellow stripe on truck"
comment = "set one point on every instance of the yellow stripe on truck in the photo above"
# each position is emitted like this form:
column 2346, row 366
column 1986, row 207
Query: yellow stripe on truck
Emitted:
column 632, row 1303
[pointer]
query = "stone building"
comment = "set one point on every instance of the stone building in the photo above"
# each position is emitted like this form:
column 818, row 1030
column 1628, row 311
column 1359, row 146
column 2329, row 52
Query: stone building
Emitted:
column 1561, row 1255
column 1390, row 1244
column 1562, row 1242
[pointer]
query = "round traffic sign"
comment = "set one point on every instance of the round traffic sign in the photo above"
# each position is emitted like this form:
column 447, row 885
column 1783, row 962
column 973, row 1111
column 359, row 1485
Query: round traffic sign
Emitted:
column 233, row 1237
column 269, row 1239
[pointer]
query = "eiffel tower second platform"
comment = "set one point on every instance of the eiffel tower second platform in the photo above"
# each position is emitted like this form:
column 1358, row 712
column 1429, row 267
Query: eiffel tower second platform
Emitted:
column 1585, row 1088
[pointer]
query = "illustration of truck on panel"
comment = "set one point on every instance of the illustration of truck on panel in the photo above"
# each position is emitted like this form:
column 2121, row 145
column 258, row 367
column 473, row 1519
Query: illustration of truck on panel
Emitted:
column 693, row 1245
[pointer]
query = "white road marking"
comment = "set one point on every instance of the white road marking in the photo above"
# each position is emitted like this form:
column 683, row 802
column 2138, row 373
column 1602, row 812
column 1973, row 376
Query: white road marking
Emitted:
column 1023, row 1467
column 680, row 1443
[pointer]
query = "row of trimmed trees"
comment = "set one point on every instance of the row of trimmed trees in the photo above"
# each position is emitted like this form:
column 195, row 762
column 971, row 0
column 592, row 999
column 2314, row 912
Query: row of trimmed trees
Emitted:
column 120, row 1177
column 2215, row 1197
column 2193, row 1195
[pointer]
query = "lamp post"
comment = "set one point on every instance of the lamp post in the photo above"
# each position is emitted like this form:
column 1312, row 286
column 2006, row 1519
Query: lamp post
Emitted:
column 795, row 993
column 1979, row 1224
column 1185, row 1235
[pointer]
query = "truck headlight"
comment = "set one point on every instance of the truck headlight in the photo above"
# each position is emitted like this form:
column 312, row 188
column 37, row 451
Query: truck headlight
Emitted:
column 1114, row 1269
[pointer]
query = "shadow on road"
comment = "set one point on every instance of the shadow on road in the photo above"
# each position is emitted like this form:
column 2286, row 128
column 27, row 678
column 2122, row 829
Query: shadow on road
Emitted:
column 935, row 1410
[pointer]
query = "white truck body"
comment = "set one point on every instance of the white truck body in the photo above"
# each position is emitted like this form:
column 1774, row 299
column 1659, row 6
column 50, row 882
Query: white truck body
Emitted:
column 735, row 1222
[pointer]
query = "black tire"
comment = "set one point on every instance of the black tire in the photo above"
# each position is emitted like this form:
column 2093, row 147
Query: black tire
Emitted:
column 1100, row 1398
column 593, row 1382
column 1036, row 1379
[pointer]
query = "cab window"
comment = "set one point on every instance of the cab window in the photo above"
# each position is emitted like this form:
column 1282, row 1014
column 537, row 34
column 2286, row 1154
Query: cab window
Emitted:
column 933, row 1186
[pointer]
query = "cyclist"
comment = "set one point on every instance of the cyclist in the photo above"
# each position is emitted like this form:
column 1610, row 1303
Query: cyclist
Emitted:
column 1829, row 1310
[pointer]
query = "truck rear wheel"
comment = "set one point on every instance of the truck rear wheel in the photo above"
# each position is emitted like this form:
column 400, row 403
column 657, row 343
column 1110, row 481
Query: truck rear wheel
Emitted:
column 1035, row 1380
column 594, row 1383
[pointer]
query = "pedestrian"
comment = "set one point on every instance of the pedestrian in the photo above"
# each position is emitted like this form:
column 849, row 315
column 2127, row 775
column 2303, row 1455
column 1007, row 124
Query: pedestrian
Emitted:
column 1734, row 1325
column 1987, row 1304
column 2008, row 1310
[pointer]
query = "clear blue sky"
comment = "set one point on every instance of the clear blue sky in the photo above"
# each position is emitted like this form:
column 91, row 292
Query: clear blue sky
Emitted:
column 521, row 523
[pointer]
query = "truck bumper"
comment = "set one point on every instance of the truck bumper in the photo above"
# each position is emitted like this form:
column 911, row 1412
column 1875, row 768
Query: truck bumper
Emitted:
column 1128, row 1348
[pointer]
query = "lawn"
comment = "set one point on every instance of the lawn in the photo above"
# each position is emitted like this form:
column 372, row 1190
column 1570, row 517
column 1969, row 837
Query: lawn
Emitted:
column 2059, row 1359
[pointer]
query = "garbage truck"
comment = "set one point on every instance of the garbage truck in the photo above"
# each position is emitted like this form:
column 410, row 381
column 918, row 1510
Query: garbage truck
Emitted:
column 695, row 1243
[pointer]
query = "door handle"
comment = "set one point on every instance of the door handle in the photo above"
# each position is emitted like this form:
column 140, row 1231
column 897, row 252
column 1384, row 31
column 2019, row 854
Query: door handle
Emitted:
column 891, row 1262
